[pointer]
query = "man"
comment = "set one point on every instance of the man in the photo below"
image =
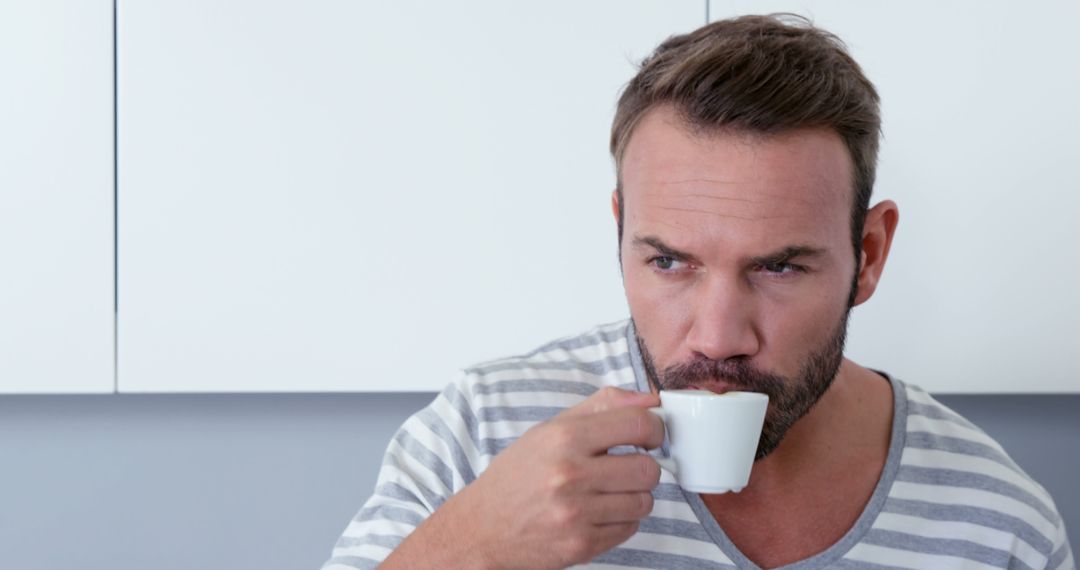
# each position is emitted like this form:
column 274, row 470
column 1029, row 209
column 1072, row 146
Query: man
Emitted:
column 745, row 154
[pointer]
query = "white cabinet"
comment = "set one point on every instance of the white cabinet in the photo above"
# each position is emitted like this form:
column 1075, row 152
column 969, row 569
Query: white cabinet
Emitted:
column 979, row 103
column 56, row 196
column 360, row 195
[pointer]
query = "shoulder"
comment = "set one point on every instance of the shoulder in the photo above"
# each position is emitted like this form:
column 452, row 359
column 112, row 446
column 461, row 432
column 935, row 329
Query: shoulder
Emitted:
column 575, row 365
column 952, row 471
column 934, row 427
column 500, row 399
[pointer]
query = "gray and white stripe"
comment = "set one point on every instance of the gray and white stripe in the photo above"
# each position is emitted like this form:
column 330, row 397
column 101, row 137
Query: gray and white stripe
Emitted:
column 952, row 497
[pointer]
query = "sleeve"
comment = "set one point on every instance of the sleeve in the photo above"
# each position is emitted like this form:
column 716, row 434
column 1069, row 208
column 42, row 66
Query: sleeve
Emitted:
column 1062, row 558
column 432, row 456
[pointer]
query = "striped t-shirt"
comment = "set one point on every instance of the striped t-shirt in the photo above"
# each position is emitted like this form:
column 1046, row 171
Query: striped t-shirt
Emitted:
column 948, row 496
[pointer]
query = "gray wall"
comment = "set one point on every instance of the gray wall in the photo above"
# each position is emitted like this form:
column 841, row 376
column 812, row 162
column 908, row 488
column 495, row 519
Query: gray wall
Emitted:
column 125, row 482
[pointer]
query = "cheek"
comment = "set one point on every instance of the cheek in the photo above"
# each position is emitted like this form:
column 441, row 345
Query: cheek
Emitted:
column 646, row 301
column 660, row 317
column 797, row 327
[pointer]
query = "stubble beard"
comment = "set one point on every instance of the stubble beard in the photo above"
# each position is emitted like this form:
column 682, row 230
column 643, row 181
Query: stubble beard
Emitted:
column 789, row 398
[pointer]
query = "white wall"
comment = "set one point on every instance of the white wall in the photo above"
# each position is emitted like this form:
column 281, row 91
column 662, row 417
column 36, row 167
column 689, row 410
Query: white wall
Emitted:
column 320, row 196
column 304, row 207
column 56, row 196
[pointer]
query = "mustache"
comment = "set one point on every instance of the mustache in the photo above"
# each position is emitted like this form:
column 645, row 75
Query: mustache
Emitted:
column 738, row 374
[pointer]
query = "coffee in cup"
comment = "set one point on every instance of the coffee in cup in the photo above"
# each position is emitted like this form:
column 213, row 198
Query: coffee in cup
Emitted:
column 712, row 438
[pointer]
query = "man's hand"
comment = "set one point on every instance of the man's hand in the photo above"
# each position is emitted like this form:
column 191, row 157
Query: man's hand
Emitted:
column 553, row 498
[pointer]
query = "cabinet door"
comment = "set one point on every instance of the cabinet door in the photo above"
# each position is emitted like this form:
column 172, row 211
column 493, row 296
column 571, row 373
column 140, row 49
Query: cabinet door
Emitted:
column 979, row 152
column 359, row 195
column 56, row 196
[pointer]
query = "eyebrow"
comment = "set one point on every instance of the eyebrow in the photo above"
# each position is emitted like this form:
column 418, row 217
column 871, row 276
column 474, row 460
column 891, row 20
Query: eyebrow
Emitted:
column 778, row 256
column 661, row 247
column 787, row 253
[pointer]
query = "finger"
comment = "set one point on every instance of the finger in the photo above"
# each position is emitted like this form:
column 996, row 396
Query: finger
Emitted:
column 624, row 473
column 610, row 398
column 609, row 536
column 610, row 508
column 623, row 426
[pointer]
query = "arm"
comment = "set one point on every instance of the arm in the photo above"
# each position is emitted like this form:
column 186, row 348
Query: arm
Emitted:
column 553, row 498
column 429, row 458
column 1062, row 557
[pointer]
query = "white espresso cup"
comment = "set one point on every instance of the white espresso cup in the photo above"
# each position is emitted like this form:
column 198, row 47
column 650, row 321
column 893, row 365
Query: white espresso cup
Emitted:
column 712, row 438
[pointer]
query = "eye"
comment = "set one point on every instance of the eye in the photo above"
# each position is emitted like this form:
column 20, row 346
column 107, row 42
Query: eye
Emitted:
column 666, row 263
column 781, row 268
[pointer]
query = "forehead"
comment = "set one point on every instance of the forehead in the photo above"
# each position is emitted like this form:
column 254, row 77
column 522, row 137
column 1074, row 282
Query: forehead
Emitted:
column 797, row 182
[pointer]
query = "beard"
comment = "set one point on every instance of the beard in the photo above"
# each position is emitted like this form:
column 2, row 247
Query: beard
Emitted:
column 789, row 398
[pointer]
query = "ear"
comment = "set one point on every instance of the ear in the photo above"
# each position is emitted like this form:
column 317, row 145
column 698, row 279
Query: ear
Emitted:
column 877, row 237
column 615, row 205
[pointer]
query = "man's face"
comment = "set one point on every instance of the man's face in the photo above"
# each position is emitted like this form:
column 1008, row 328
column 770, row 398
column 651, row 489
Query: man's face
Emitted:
column 737, row 261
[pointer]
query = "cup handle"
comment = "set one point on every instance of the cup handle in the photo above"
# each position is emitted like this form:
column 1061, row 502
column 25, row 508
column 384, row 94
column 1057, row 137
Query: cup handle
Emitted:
column 666, row 463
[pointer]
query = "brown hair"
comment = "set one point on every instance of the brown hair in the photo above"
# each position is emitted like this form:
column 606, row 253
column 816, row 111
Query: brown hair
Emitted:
column 759, row 74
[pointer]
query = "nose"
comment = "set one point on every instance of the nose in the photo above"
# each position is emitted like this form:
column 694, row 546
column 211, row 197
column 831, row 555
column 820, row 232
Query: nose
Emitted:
column 723, row 321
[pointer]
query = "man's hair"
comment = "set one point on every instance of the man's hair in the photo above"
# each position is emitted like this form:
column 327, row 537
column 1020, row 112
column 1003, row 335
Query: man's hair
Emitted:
column 761, row 75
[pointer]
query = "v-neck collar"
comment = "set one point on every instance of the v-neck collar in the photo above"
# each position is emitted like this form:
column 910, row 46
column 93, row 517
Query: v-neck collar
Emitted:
column 862, row 524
